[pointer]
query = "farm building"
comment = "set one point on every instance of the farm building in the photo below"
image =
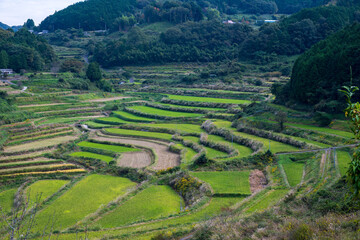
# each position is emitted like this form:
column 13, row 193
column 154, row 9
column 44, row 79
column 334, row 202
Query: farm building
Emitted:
column 6, row 71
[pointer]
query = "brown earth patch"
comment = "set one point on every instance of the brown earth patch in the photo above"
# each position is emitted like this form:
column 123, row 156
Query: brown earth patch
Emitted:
column 257, row 180
column 135, row 159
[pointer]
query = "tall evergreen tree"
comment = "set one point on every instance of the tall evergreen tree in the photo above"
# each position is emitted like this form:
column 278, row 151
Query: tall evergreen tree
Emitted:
column 4, row 59
column 93, row 72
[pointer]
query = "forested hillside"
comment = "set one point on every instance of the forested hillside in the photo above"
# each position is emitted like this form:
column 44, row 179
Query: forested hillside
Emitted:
column 23, row 50
column 214, row 41
column 320, row 72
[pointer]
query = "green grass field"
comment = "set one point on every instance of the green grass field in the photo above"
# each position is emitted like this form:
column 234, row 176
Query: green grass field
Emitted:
column 191, row 107
column 164, row 113
column 92, row 155
column 275, row 147
column 187, row 128
column 148, row 204
column 322, row 129
column 343, row 159
column 44, row 187
column 293, row 170
column 132, row 117
column 111, row 120
column 206, row 99
column 269, row 199
column 83, row 199
column 243, row 151
column 226, row 182
column 113, row 148
column 189, row 155
column 126, row 132
column 92, row 124
column 210, row 152
column 7, row 199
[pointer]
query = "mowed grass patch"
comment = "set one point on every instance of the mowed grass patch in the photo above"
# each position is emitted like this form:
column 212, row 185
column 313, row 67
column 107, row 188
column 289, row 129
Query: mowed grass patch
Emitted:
column 188, row 128
column 344, row 160
column 153, row 202
column 41, row 190
column 113, row 148
column 111, row 120
column 131, row 117
column 207, row 99
column 226, row 182
column 164, row 113
column 190, row 107
column 145, row 134
column 293, row 170
column 270, row 198
column 83, row 199
column 92, row 155
column 7, row 200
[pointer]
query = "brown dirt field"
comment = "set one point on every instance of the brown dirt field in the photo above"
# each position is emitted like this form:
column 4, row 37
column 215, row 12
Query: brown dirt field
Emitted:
column 40, row 159
column 166, row 159
column 257, row 180
column 324, row 157
column 79, row 170
column 42, row 105
column 105, row 99
column 39, row 144
column 135, row 159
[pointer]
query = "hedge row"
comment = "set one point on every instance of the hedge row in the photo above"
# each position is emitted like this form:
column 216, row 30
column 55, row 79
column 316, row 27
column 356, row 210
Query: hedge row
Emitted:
column 228, row 135
column 241, row 127
column 198, row 104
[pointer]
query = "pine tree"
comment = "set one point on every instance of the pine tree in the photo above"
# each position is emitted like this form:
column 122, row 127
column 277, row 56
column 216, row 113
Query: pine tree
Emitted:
column 93, row 72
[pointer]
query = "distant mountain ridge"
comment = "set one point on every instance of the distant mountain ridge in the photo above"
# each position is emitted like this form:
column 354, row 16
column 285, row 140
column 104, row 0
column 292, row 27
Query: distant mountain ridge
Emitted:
column 4, row 26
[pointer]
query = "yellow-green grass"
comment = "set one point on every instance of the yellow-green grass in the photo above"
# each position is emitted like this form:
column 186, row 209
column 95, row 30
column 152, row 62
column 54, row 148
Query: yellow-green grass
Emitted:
column 189, row 155
column 111, row 120
column 190, row 107
column 243, row 151
column 322, row 129
column 344, row 160
column 83, row 199
column 293, row 170
column 92, row 124
column 41, row 190
column 126, row 132
column 188, row 128
column 92, row 155
column 164, row 113
column 113, row 148
column 270, row 198
column 207, row 99
column 153, row 202
column 216, row 205
column 233, row 182
column 64, row 120
column 7, row 199
column 275, row 146
column 222, row 124
column 315, row 143
column 132, row 117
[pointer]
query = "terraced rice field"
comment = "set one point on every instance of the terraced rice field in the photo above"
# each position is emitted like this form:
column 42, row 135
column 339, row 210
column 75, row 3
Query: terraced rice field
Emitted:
column 322, row 129
column 293, row 170
column 113, row 148
column 178, row 127
column 41, row 190
column 132, row 117
column 7, row 199
column 134, row 133
column 39, row 144
column 344, row 160
column 243, row 151
column 190, row 107
column 226, row 182
column 206, row 99
column 265, row 201
column 79, row 201
column 210, row 152
column 93, row 156
column 146, row 205
column 164, row 113
column 110, row 121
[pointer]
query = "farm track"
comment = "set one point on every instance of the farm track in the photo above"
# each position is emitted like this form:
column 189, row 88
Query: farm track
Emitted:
column 166, row 159
column 135, row 159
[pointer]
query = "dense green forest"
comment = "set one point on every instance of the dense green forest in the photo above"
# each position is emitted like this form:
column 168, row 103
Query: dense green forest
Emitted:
column 320, row 72
column 109, row 14
column 23, row 50
column 207, row 41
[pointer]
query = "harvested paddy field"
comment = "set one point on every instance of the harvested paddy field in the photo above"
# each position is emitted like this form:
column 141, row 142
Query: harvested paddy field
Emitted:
column 135, row 159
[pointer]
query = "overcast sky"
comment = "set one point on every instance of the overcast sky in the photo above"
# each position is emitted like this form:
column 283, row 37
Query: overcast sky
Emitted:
column 16, row 12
